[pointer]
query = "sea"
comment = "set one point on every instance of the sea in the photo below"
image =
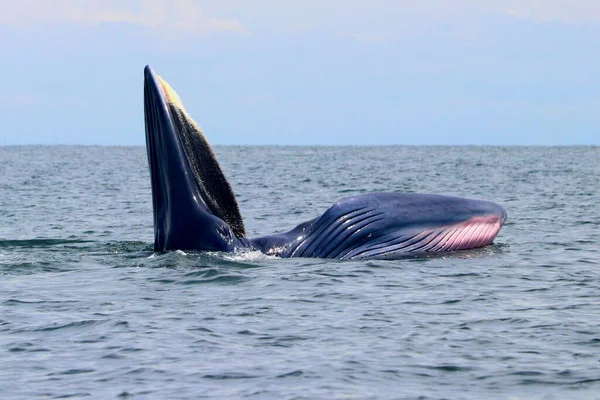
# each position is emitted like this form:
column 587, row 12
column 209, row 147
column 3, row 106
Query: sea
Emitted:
column 89, row 310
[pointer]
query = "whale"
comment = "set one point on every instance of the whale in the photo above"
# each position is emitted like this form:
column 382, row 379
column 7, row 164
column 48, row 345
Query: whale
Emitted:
column 194, row 206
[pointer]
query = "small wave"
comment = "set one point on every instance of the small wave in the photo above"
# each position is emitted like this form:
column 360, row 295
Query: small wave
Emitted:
column 445, row 367
column 39, row 242
column 73, row 371
column 295, row 373
column 128, row 248
column 29, row 268
column 230, row 375
column 225, row 279
column 203, row 275
column 17, row 301
column 76, row 324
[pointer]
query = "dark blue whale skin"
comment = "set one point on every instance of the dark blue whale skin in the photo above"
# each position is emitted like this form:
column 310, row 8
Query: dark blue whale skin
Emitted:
column 195, row 207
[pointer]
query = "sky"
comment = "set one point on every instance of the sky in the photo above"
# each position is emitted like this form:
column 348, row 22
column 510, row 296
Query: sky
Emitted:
column 311, row 72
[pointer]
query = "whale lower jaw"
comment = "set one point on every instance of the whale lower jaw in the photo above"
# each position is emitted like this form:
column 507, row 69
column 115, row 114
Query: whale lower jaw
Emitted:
column 475, row 233
column 471, row 234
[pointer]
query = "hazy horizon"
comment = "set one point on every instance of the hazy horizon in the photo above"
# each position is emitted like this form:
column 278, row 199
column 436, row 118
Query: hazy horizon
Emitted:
column 308, row 145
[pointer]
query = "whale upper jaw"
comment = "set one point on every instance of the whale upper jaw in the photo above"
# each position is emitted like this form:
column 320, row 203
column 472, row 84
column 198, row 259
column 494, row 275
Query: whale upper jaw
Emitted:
column 194, row 206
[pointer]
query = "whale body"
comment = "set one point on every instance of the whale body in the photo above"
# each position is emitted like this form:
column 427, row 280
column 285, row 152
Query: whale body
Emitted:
column 195, row 208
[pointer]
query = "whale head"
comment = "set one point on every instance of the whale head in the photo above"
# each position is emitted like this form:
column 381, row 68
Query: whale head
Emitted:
column 194, row 205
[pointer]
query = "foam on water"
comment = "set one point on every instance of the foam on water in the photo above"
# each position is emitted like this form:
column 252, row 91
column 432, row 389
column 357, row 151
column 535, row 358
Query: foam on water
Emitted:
column 248, row 255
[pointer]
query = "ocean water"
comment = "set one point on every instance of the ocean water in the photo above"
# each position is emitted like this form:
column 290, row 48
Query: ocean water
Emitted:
column 87, row 309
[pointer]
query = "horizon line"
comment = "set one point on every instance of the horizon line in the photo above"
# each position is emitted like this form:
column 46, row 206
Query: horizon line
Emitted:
column 310, row 145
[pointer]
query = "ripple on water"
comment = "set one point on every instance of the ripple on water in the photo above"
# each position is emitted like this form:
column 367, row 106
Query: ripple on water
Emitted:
column 88, row 309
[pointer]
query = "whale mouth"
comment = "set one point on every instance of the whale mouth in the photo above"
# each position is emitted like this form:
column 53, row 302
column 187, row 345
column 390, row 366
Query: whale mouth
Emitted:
column 195, row 208
column 188, row 186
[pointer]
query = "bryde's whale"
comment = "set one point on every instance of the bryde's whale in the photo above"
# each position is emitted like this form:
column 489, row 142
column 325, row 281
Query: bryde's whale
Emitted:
column 195, row 208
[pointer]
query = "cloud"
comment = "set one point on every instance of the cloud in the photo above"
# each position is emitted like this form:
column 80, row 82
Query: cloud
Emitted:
column 369, row 38
column 166, row 15
column 386, row 14
column 565, row 11
column 375, row 19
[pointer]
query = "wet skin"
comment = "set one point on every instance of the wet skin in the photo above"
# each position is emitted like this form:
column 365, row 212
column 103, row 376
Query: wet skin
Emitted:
column 195, row 208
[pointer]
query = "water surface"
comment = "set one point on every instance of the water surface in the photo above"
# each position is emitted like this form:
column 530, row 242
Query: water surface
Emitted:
column 87, row 309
